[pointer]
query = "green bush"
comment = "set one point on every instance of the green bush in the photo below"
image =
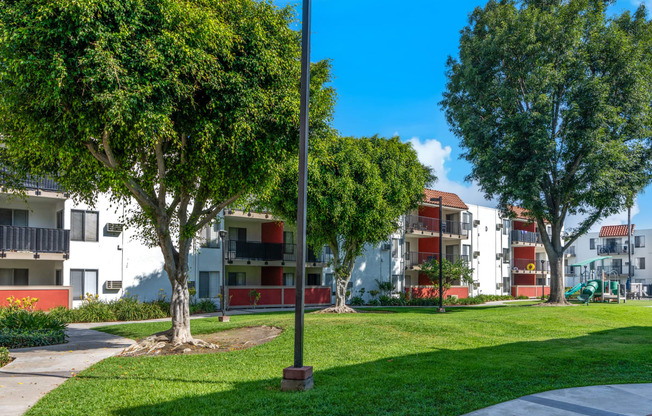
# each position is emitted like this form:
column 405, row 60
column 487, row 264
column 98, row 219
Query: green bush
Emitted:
column 522, row 297
column 203, row 306
column 374, row 302
column 357, row 301
column 21, row 328
column 21, row 338
column 130, row 309
column 4, row 356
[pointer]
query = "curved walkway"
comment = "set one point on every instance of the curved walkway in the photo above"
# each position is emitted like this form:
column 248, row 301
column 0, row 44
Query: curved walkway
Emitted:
column 609, row 400
column 36, row 371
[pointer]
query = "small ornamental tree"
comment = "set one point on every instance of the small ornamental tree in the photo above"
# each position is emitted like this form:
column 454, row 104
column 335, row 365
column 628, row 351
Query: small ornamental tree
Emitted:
column 552, row 103
column 180, row 106
column 452, row 272
column 357, row 191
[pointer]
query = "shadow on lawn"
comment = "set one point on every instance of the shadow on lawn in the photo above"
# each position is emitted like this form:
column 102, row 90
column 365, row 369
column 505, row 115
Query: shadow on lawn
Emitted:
column 443, row 381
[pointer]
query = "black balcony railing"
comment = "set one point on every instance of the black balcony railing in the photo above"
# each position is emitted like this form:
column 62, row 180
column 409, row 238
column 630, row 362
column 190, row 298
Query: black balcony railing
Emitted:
column 416, row 259
column 528, row 265
column 254, row 250
column 37, row 240
column 612, row 249
column 30, row 182
column 428, row 224
column 611, row 270
column 528, row 237
column 571, row 251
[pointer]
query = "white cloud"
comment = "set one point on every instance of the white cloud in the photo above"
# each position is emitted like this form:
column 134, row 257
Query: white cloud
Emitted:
column 431, row 153
column 647, row 3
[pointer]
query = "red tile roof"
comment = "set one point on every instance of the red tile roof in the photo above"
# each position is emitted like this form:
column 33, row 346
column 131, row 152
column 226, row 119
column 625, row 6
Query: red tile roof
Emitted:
column 448, row 199
column 521, row 213
column 615, row 230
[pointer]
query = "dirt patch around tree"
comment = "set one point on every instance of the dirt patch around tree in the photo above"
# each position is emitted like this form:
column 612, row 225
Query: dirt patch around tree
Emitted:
column 217, row 342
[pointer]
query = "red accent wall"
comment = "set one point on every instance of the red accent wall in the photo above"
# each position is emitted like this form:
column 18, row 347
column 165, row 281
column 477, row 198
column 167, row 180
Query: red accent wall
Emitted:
column 240, row 297
column 430, row 292
column 529, row 291
column 525, row 226
column 271, row 232
column 525, row 253
column 429, row 245
column 280, row 296
column 271, row 276
column 430, row 212
column 47, row 298
column 424, row 280
column 525, row 279
column 314, row 296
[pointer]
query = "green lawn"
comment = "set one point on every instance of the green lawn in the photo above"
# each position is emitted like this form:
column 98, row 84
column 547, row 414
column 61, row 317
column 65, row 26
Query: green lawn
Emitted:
column 410, row 362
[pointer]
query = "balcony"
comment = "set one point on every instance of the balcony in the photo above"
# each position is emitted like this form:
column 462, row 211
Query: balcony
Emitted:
column 34, row 183
column 527, row 238
column 612, row 270
column 414, row 259
column 611, row 249
column 266, row 252
column 570, row 252
column 30, row 242
column 520, row 266
column 428, row 226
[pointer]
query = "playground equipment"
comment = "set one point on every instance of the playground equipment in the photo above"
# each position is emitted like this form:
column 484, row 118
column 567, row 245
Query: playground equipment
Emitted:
column 604, row 288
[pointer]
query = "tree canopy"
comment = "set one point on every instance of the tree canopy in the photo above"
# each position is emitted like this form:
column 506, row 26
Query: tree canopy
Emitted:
column 184, row 106
column 551, row 101
column 358, row 188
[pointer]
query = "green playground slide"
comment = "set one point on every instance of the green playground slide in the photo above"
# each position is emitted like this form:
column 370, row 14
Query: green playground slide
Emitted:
column 574, row 289
column 589, row 291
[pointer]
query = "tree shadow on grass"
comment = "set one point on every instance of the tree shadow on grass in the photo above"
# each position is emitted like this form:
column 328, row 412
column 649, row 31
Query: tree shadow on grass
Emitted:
column 440, row 382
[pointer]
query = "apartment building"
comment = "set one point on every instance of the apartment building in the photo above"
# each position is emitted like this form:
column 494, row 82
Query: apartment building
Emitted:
column 612, row 244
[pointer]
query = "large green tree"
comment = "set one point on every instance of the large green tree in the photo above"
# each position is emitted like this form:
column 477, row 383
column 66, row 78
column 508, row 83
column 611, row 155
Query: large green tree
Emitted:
column 358, row 188
column 181, row 106
column 551, row 100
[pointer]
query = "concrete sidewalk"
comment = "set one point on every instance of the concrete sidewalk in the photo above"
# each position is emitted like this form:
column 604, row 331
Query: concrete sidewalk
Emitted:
column 610, row 400
column 36, row 371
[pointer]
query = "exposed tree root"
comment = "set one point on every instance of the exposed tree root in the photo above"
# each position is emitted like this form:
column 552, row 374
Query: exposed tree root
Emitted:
column 548, row 303
column 155, row 344
column 338, row 309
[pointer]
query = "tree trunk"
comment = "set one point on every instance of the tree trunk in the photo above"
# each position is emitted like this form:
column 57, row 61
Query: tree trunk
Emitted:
column 340, row 291
column 180, row 310
column 556, row 279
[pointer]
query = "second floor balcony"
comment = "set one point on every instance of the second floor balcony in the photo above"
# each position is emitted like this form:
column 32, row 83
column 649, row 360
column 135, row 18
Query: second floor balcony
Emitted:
column 259, row 251
column 31, row 183
column 429, row 226
column 611, row 249
column 520, row 237
column 415, row 260
column 530, row 266
column 31, row 242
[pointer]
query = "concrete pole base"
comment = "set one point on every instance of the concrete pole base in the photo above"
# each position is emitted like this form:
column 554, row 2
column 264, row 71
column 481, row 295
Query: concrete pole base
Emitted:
column 224, row 318
column 297, row 379
column 441, row 310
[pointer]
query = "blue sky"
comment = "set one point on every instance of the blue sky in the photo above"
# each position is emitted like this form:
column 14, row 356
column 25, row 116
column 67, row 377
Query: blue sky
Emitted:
column 389, row 62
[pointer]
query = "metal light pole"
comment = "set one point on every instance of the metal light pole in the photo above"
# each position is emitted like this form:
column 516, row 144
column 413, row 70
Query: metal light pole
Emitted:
column 223, row 234
column 299, row 377
column 441, row 255
column 628, row 284
column 543, row 280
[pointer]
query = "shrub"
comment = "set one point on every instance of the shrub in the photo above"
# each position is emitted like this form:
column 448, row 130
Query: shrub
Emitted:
column 130, row 309
column 357, row 301
column 20, row 338
column 374, row 302
column 203, row 306
column 25, row 320
column 4, row 356
column 522, row 297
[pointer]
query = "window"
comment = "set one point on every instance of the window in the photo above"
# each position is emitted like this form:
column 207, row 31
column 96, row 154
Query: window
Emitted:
column 237, row 278
column 60, row 223
column 466, row 220
column 15, row 217
column 592, row 243
column 505, row 227
column 211, row 235
column 328, row 279
column 639, row 241
column 288, row 242
column 396, row 279
column 83, row 282
column 84, row 225
column 314, row 279
column 14, row 277
column 288, row 279
column 505, row 255
column 58, row 277
column 640, row 263
column 237, row 234
column 466, row 252
column 209, row 284
column 395, row 247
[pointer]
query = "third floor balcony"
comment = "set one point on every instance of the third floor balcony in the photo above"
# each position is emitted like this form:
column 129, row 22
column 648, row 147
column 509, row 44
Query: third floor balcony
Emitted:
column 527, row 238
column 34, row 243
column 275, row 252
column 428, row 226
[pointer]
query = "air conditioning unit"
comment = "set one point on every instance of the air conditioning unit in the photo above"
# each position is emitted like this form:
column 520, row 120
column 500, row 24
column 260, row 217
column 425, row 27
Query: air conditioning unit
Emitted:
column 499, row 227
column 476, row 254
column 476, row 223
column 113, row 227
column 113, row 284
column 499, row 256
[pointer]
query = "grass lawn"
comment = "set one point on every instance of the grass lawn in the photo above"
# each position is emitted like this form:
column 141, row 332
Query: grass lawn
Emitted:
column 410, row 362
